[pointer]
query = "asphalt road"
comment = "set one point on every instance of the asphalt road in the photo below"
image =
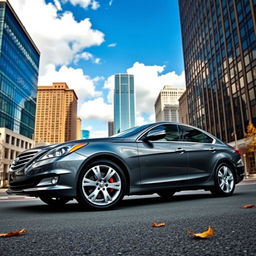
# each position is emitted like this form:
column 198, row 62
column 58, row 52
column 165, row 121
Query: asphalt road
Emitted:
column 127, row 229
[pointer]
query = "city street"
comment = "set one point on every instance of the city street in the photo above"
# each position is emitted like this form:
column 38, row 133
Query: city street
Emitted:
column 127, row 229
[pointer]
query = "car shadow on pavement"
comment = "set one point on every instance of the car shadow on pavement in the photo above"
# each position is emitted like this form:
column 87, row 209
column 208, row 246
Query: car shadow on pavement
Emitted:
column 139, row 201
column 158, row 200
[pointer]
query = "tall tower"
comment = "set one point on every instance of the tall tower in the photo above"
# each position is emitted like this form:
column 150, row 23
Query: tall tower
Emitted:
column 110, row 128
column 19, row 63
column 56, row 114
column 124, row 102
column 219, row 48
column 167, row 104
column 78, row 128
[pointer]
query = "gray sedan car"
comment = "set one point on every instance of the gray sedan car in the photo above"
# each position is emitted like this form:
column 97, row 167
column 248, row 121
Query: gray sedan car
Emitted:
column 160, row 158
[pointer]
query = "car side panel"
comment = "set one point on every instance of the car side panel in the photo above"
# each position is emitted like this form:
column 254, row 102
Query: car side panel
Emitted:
column 161, row 164
column 201, row 159
column 124, row 151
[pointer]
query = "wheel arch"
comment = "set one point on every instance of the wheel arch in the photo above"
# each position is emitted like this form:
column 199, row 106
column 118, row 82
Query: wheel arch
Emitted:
column 225, row 161
column 108, row 157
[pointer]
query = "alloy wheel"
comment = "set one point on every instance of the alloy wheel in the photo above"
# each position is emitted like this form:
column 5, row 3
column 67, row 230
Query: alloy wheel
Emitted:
column 101, row 185
column 225, row 179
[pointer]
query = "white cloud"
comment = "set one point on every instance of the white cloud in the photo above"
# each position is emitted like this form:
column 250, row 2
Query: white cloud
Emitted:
column 149, row 80
column 94, row 133
column 112, row 45
column 140, row 120
column 57, row 4
column 84, row 3
column 95, row 5
column 109, row 85
column 75, row 78
column 96, row 109
column 97, row 60
column 86, row 56
column 89, row 128
column 59, row 37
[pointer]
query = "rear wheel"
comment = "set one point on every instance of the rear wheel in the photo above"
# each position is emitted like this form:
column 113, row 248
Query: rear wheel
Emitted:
column 224, row 181
column 54, row 201
column 166, row 194
column 101, row 185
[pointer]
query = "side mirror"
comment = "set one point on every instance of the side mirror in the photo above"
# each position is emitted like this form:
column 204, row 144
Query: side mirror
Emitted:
column 155, row 135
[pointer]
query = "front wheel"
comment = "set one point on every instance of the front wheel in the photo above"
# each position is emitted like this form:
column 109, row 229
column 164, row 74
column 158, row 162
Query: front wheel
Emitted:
column 101, row 185
column 54, row 201
column 224, row 181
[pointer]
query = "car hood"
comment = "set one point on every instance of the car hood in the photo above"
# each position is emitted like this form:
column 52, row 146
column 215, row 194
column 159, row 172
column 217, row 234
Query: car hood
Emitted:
column 107, row 139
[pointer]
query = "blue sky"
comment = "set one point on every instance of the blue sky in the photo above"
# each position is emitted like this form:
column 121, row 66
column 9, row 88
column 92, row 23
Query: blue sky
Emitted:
column 147, row 31
column 86, row 42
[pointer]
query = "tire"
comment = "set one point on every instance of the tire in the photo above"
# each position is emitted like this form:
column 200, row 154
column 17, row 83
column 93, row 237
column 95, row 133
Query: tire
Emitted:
column 101, row 185
column 224, row 180
column 54, row 201
column 166, row 195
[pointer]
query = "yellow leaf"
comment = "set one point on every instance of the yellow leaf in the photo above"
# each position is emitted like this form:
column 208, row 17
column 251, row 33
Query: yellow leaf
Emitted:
column 249, row 206
column 22, row 231
column 156, row 225
column 250, row 137
column 205, row 234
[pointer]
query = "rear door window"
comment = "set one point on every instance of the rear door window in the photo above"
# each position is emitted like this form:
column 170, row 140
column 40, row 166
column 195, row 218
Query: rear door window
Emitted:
column 190, row 134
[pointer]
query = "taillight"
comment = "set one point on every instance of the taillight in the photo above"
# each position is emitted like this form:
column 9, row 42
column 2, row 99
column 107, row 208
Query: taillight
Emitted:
column 238, row 151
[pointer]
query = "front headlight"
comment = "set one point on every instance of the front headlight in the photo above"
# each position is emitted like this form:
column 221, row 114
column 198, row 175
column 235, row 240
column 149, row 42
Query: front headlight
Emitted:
column 62, row 150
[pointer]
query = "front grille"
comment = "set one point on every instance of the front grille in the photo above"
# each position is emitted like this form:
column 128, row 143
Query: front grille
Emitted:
column 23, row 158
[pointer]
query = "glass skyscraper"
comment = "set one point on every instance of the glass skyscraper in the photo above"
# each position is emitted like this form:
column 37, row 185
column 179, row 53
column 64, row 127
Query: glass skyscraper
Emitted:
column 19, row 63
column 219, row 47
column 85, row 134
column 124, row 102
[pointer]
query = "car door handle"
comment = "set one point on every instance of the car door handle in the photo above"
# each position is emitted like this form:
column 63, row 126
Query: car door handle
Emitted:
column 180, row 150
column 212, row 149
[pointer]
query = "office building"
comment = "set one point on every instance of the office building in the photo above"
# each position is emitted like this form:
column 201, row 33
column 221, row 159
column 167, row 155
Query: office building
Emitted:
column 183, row 108
column 11, row 144
column 78, row 128
column 110, row 128
column 56, row 114
column 167, row 104
column 85, row 134
column 219, row 46
column 124, row 102
column 19, row 62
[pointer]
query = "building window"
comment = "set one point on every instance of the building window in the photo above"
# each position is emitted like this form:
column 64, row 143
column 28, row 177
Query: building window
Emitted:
column 249, row 76
column 22, row 144
column 7, row 138
column 18, row 142
column 5, row 177
column 13, row 140
column 6, row 153
column 12, row 154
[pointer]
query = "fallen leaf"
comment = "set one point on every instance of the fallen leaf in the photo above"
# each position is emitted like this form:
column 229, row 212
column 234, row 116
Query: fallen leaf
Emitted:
column 205, row 234
column 249, row 206
column 156, row 225
column 22, row 231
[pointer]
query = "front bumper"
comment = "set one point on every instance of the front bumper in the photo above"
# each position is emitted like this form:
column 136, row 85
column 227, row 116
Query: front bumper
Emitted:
column 35, row 180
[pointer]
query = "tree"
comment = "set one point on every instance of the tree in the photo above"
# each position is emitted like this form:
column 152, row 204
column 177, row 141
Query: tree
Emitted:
column 251, row 138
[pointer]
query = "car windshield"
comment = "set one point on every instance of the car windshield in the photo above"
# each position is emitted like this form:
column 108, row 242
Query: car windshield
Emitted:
column 130, row 132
